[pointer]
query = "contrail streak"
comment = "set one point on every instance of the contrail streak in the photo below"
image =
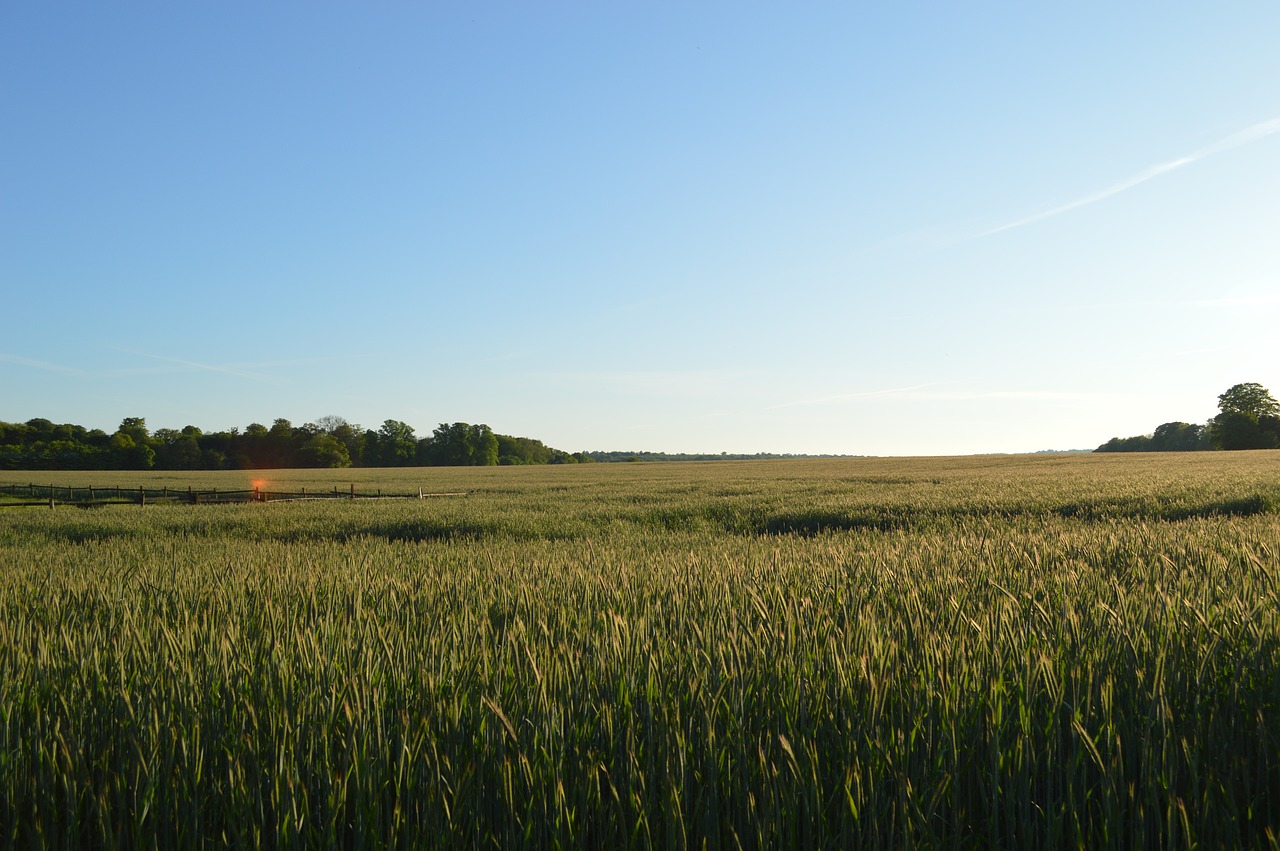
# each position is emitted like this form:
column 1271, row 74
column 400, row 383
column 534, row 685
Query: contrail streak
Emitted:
column 253, row 376
column 40, row 364
column 1235, row 140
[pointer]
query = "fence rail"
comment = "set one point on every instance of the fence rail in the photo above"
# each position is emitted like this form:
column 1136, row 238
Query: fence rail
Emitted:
column 91, row 496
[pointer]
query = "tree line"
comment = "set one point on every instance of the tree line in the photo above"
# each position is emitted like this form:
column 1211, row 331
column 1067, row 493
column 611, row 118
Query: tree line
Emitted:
column 40, row 444
column 1248, row 418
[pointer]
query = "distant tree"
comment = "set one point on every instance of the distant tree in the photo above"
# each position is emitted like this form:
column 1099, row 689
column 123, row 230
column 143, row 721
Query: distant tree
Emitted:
column 331, row 441
column 346, row 433
column 187, row 454
column 323, row 450
column 282, row 442
column 12, row 456
column 39, row 429
column 396, row 444
column 484, row 446
column 444, row 448
column 1248, row 418
column 1139, row 443
column 330, row 423
column 127, row 454
column 459, row 445
column 1249, row 399
column 1235, row 430
column 253, row 447
column 522, row 450
column 223, row 450
column 14, row 434
column 1180, row 437
column 369, row 449
column 136, row 428
column 177, row 450
column 214, row 459
column 559, row 456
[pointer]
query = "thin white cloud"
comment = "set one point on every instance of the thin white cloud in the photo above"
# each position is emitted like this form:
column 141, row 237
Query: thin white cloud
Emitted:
column 201, row 367
column 178, row 366
column 40, row 364
column 1235, row 140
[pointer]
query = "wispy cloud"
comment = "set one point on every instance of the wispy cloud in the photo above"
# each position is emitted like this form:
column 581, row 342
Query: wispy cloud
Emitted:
column 202, row 367
column 167, row 365
column 40, row 364
column 1235, row 140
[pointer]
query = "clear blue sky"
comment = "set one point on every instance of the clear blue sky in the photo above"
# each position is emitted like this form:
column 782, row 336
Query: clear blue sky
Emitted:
column 907, row 228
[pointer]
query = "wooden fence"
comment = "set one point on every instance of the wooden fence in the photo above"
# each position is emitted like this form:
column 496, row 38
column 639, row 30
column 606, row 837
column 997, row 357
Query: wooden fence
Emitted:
column 91, row 496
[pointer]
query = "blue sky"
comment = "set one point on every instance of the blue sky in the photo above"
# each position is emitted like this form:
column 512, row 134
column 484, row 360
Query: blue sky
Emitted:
column 895, row 229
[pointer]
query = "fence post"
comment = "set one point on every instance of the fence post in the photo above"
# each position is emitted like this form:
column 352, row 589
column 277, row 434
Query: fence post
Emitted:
column 142, row 496
column 419, row 491
column 51, row 500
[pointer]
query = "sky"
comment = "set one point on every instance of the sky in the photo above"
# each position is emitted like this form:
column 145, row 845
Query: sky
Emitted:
column 916, row 228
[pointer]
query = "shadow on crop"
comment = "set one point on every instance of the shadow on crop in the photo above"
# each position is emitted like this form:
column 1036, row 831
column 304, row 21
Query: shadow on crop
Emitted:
column 1245, row 506
column 810, row 524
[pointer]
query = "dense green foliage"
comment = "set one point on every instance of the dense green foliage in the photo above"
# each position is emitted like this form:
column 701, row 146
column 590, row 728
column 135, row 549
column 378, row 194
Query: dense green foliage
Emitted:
column 1248, row 418
column 1058, row 651
column 612, row 456
column 1170, row 437
column 331, row 442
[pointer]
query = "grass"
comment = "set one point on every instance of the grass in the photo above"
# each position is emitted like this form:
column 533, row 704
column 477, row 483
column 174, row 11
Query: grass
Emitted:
column 1021, row 651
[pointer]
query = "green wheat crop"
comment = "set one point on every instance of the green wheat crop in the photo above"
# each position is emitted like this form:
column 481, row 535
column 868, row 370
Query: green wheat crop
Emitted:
column 982, row 652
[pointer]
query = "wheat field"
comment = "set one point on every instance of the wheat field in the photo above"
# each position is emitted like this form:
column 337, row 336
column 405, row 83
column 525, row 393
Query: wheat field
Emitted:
column 1020, row 651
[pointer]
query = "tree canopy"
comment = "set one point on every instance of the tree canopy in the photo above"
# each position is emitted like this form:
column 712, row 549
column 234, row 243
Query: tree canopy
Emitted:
column 1248, row 418
column 1251, row 399
column 331, row 441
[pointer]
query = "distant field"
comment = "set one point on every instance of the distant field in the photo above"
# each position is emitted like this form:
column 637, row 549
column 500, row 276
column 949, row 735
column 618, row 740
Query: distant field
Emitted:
column 1019, row 651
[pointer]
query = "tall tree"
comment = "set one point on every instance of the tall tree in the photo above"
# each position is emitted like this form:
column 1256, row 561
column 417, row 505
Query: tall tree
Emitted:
column 460, row 445
column 323, row 450
column 397, row 446
column 1180, row 437
column 131, row 445
column 346, row 433
column 1248, row 418
column 1249, row 398
column 281, row 442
